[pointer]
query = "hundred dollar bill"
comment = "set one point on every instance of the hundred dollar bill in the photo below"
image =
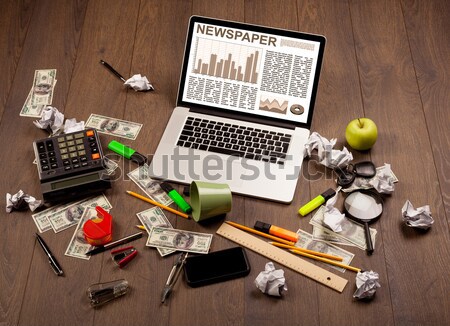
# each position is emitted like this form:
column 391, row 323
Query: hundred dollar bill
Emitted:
column 113, row 126
column 155, row 217
column 306, row 241
column 29, row 110
column 78, row 246
column 180, row 240
column 70, row 216
column 43, row 86
column 41, row 218
column 364, row 183
column 151, row 187
column 351, row 231
column 320, row 233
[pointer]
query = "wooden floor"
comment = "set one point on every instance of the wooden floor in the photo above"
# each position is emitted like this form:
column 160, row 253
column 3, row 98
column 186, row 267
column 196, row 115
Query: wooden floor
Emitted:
column 385, row 59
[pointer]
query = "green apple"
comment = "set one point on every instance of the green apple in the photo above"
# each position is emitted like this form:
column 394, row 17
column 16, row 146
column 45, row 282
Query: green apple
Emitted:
column 361, row 134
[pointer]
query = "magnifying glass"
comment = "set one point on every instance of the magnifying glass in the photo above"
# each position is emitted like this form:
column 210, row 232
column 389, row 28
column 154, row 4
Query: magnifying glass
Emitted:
column 365, row 207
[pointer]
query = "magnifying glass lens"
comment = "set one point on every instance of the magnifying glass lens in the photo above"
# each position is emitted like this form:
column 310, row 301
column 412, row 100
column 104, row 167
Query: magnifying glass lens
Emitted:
column 363, row 206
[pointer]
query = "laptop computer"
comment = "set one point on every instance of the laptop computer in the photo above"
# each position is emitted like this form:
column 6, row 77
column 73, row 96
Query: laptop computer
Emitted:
column 244, row 108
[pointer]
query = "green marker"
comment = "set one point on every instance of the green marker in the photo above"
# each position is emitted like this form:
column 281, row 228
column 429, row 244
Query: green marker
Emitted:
column 176, row 197
column 316, row 202
column 127, row 152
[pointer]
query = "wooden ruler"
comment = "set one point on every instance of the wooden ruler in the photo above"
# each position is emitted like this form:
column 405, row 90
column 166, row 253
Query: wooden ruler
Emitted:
column 282, row 257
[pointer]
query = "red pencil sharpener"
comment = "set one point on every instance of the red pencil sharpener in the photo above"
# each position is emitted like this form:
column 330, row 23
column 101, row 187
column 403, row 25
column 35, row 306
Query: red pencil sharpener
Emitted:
column 123, row 256
column 98, row 231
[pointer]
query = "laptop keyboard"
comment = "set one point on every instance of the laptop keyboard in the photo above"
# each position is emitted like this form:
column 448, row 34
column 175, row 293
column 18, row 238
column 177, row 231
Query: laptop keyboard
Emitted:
column 231, row 139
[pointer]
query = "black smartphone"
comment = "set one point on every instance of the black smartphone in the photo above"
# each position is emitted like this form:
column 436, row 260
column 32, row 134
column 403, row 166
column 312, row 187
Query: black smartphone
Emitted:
column 216, row 267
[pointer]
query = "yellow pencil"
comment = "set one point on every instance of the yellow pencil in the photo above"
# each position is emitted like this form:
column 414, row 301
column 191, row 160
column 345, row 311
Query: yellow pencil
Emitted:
column 148, row 200
column 325, row 260
column 312, row 252
column 245, row 228
column 141, row 227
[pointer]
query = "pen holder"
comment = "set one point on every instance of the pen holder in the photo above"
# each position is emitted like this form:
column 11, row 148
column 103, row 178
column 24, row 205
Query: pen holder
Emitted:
column 101, row 293
column 209, row 200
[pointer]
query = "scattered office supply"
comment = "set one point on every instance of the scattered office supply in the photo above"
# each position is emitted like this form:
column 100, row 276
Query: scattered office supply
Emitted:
column 111, row 69
column 269, row 129
column 113, row 126
column 366, row 183
column 271, row 281
column 41, row 93
column 276, row 231
column 127, row 152
column 114, row 244
column 139, row 83
column 173, row 276
column 101, row 293
column 123, row 256
column 265, row 235
column 21, row 201
column 383, row 182
column 209, row 200
column 347, row 175
column 325, row 260
column 328, row 156
column 51, row 259
column 71, row 125
column 365, row 207
column 141, row 227
column 333, row 218
column 316, row 202
column 217, row 266
column 366, row 285
column 98, row 231
column 71, row 166
column 181, row 240
column 148, row 200
column 51, row 120
column 282, row 257
column 311, row 252
column 176, row 197
column 417, row 217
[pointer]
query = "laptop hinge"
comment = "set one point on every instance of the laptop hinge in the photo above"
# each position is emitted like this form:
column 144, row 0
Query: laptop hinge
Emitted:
column 243, row 117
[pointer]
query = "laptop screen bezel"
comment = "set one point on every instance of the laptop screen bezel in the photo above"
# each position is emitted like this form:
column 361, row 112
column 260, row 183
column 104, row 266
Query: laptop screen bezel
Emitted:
column 242, row 115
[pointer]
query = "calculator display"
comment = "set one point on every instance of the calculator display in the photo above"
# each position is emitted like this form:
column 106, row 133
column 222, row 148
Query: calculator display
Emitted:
column 74, row 181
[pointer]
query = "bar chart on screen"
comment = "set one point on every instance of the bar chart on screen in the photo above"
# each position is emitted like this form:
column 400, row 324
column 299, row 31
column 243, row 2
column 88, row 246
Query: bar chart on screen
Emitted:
column 227, row 60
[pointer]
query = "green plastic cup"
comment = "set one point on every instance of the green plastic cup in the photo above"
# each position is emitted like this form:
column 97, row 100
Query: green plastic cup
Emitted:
column 209, row 199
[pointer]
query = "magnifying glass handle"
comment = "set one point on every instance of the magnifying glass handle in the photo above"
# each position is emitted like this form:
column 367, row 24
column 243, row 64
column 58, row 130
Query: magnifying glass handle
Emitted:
column 369, row 243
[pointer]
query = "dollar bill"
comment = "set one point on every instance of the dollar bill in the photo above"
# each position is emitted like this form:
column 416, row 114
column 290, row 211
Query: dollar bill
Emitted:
column 320, row 233
column 113, row 126
column 43, row 86
column 41, row 218
column 306, row 241
column 78, row 246
column 364, row 183
column 70, row 216
column 151, row 187
column 29, row 110
column 180, row 240
column 155, row 217
column 351, row 231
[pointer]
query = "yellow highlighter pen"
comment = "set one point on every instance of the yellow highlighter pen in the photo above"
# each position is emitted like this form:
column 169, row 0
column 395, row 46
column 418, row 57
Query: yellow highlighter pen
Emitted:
column 316, row 202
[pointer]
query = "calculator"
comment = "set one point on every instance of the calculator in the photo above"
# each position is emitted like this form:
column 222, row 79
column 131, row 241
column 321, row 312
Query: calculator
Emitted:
column 71, row 166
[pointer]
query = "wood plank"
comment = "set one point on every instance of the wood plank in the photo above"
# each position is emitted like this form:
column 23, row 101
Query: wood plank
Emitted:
column 390, row 92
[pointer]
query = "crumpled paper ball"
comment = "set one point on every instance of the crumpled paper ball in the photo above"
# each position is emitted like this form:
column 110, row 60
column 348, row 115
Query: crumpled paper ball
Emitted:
column 139, row 83
column 21, row 201
column 366, row 285
column 271, row 281
column 417, row 218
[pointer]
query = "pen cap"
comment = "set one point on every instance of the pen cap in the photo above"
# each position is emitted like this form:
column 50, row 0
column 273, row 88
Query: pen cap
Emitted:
column 261, row 226
column 121, row 149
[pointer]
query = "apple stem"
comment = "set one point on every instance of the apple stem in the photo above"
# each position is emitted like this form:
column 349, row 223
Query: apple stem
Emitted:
column 360, row 123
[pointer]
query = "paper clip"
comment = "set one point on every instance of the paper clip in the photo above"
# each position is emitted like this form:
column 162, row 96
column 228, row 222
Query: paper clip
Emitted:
column 123, row 256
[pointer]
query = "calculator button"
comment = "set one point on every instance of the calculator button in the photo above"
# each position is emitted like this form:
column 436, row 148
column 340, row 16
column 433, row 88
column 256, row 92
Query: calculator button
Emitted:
column 76, row 166
column 79, row 135
column 49, row 144
column 91, row 139
column 90, row 133
column 94, row 150
column 95, row 156
column 63, row 150
column 66, row 162
column 62, row 145
column 53, row 160
column 44, row 162
column 73, row 154
column 84, row 164
column 72, row 149
column 83, row 158
column 42, row 155
column 61, row 139
column 75, row 160
column 80, row 147
column 70, row 137
column 54, row 165
column 51, row 154
column 79, row 141
column 45, row 167
column 82, row 153
column 70, row 143
column 67, row 168
column 64, row 156
column 40, row 147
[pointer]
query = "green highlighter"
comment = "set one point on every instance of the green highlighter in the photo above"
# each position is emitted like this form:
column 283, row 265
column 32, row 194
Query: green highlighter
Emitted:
column 176, row 197
column 127, row 152
column 316, row 202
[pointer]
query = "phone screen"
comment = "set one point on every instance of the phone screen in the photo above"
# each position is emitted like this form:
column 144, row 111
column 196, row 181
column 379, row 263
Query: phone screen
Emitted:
column 216, row 267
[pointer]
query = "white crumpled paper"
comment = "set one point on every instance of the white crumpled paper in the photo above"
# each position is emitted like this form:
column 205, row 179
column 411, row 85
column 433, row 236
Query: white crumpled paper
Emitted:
column 383, row 181
column 71, row 125
column 51, row 120
column 328, row 156
column 271, row 281
column 332, row 216
column 21, row 201
column 417, row 218
column 366, row 285
column 139, row 83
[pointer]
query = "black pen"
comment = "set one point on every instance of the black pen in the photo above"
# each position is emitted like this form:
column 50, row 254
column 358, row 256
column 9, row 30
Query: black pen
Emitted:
column 112, row 70
column 51, row 259
column 113, row 244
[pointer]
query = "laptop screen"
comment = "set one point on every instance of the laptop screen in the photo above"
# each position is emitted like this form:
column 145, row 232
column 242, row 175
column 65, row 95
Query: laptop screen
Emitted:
column 251, row 70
